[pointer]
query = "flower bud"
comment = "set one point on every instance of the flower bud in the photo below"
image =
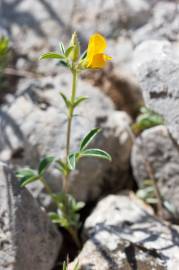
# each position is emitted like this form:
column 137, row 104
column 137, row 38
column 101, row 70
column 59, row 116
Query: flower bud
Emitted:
column 75, row 53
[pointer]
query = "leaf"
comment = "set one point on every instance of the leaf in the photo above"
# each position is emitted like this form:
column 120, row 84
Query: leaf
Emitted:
column 65, row 99
column 72, row 160
column 76, row 266
column 54, row 217
column 63, row 63
column 79, row 100
column 50, row 55
column 45, row 163
column 151, row 200
column 62, row 48
column 68, row 51
column 98, row 153
column 65, row 266
column 88, row 138
column 26, row 176
column 79, row 206
column 147, row 119
column 147, row 192
column 63, row 167
column 84, row 54
column 170, row 207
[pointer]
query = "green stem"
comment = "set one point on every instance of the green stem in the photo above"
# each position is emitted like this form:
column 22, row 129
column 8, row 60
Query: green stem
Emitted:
column 69, row 124
column 75, row 237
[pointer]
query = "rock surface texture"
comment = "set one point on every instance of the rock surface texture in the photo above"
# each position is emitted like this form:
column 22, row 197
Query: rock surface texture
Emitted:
column 158, row 76
column 35, row 125
column 157, row 148
column 44, row 21
column 123, row 234
column 28, row 239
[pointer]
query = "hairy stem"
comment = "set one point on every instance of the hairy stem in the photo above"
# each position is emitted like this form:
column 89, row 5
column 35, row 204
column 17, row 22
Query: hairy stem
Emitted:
column 69, row 124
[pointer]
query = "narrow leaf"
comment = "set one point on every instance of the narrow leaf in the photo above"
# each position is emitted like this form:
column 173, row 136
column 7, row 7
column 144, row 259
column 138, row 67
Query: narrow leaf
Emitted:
column 62, row 48
column 63, row 63
column 65, row 99
column 72, row 161
column 84, row 54
column 45, row 163
column 79, row 206
column 79, row 100
column 95, row 153
column 26, row 176
column 25, row 172
column 27, row 180
column 50, row 55
column 88, row 138
column 68, row 51
column 64, row 266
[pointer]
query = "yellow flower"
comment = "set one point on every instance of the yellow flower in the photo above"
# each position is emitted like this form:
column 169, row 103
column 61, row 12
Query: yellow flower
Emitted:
column 96, row 58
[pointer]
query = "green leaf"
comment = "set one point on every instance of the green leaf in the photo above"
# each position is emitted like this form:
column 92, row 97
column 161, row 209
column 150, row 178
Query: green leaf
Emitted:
column 84, row 54
column 63, row 167
column 45, row 163
column 79, row 206
column 72, row 160
column 88, row 138
column 50, row 55
column 63, row 63
column 98, row 153
column 65, row 99
column 79, row 100
column 65, row 266
column 76, row 266
column 148, row 119
column 68, row 51
column 147, row 192
column 62, row 48
column 54, row 217
column 4, row 45
column 26, row 176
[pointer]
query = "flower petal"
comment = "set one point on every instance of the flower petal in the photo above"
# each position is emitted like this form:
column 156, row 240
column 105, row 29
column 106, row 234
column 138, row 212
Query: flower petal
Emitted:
column 99, row 60
column 97, row 45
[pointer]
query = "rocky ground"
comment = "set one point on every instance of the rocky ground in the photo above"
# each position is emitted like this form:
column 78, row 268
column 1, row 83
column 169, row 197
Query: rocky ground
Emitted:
column 119, row 230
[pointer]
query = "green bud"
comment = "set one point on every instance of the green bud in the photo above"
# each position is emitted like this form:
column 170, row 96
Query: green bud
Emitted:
column 75, row 52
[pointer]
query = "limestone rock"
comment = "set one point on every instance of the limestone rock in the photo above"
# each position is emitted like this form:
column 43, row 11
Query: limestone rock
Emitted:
column 27, row 236
column 44, row 21
column 157, row 147
column 157, row 74
column 124, row 234
column 163, row 24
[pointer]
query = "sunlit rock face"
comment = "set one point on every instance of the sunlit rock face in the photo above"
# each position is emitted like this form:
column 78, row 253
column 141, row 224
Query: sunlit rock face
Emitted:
column 27, row 236
column 123, row 233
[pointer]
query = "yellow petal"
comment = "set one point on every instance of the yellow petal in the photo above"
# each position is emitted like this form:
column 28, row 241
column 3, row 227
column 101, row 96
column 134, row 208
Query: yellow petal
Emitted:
column 97, row 45
column 99, row 60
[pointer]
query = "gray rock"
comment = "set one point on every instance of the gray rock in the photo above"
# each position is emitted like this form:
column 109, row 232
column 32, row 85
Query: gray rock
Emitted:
column 158, row 74
column 124, row 234
column 157, row 147
column 163, row 24
column 27, row 236
column 43, row 22
column 35, row 125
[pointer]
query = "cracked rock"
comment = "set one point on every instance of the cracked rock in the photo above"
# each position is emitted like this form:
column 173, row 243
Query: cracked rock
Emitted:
column 124, row 234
